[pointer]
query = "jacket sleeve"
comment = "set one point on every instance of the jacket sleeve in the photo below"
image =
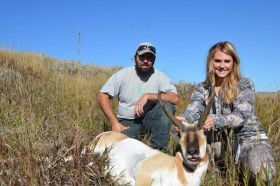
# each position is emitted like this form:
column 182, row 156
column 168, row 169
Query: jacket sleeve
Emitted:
column 243, row 107
column 196, row 106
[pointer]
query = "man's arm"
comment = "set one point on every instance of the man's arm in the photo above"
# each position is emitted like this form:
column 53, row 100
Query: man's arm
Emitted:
column 169, row 97
column 106, row 106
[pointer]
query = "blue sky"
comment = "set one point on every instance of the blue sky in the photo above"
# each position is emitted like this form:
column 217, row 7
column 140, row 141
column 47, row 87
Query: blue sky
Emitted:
column 181, row 30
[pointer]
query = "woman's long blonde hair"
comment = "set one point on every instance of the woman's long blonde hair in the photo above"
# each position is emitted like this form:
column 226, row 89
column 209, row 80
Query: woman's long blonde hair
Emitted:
column 229, row 87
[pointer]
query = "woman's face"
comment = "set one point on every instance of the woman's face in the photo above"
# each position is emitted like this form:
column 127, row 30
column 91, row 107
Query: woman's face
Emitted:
column 222, row 64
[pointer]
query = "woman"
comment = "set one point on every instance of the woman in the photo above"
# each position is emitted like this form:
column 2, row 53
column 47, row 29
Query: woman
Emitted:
column 233, row 114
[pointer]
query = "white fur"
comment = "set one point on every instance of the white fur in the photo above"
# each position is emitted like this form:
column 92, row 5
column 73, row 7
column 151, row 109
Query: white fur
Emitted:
column 195, row 177
column 129, row 156
column 125, row 156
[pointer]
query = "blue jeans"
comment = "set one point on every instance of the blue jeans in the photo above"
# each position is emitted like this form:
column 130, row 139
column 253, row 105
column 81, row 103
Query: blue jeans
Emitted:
column 154, row 122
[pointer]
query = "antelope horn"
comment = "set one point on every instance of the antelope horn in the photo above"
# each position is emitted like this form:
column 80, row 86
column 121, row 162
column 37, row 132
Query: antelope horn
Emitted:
column 173, row 119
column 207, row 108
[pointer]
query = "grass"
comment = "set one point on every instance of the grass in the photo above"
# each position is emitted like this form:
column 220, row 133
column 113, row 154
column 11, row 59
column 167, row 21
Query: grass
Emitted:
column 49, row 110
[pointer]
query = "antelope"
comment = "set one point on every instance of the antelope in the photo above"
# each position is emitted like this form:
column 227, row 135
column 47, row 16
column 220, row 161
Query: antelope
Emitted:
column 135, row 163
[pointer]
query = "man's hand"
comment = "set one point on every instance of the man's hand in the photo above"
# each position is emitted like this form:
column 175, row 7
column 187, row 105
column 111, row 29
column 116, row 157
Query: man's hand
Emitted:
column 106, row 107
column 139, row 106
column 118, row 127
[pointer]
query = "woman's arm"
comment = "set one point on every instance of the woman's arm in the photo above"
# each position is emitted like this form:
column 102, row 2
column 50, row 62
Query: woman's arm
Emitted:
column 196, row 106
column 243, row 107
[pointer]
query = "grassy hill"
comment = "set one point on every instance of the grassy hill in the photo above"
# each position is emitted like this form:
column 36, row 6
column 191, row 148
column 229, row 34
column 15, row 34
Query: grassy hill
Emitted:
column 49, row 110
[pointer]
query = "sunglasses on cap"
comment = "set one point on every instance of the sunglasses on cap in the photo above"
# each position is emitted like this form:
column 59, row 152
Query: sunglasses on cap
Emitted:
column 145, row 47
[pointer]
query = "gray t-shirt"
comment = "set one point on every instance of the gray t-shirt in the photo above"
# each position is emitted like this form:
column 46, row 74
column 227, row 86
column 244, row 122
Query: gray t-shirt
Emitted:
column 129, row 87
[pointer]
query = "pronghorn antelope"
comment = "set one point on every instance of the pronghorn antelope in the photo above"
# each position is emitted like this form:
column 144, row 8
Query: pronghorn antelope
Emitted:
column 138, row 164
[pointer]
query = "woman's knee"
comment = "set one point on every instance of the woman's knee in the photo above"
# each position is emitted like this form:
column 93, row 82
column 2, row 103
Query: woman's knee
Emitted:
column 258, row 158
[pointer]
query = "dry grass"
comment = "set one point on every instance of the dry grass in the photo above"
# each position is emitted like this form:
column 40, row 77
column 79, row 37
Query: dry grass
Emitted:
column 48, row 111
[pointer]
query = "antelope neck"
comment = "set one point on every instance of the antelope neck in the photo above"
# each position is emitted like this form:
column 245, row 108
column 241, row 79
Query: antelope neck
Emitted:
column 188, row 167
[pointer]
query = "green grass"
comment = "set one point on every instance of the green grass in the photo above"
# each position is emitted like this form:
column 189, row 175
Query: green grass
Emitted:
column 49, row 110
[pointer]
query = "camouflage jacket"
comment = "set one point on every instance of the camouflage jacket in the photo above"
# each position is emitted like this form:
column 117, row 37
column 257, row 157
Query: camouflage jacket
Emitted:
column 239, row 115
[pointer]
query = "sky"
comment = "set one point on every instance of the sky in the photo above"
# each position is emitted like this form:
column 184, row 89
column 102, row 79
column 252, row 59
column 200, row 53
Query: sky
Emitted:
column 107, row 33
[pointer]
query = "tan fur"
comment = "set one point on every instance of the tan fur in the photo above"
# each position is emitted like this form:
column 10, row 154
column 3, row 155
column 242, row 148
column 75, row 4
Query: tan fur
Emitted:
column 151, row 165
column 107, row 139
column 201, row 137
column 206, row 157
column 156, row 167
column 180, row 168
column 158, row 162
column 191, row 136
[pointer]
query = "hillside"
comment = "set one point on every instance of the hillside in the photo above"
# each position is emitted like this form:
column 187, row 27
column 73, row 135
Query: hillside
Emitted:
column 47, row 107
column 49, row 110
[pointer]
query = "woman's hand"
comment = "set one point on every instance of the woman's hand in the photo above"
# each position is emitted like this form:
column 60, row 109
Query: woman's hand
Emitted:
column 181, row 118
column 209, row 123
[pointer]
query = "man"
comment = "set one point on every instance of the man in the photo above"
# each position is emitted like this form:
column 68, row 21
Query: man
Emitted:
column 136, row 88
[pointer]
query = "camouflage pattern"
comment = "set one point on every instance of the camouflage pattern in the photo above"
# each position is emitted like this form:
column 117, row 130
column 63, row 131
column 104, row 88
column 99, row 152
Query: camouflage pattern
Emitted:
column 258, row 157
column 240, row 114
column 240, row 117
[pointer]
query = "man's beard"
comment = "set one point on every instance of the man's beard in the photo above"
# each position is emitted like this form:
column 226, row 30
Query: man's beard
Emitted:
column 144, row 71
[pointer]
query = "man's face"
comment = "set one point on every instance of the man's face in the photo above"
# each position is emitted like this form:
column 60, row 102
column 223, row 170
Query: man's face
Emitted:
column 144, row 63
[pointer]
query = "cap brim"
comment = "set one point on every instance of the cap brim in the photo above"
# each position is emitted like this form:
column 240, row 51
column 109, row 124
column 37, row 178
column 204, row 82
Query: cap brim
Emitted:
column 145, row 51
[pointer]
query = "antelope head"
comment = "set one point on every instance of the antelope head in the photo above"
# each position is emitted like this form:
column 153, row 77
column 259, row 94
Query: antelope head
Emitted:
column 192, row 142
